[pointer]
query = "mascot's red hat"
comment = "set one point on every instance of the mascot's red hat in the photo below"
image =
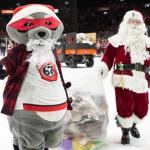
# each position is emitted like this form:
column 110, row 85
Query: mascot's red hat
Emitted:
column 23, row 21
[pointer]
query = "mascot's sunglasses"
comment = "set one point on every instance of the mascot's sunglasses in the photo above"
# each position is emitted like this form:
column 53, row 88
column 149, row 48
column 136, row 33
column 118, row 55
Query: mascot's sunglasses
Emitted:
column 26, row 24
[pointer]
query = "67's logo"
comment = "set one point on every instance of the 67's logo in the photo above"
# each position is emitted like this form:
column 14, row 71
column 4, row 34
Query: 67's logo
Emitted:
column 48, row 72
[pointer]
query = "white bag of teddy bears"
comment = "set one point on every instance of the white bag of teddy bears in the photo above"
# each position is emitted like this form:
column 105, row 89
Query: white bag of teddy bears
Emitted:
column 86, row 124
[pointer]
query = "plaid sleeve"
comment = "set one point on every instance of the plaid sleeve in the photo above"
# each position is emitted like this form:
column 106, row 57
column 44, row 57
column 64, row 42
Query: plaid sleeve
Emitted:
column 10, row 62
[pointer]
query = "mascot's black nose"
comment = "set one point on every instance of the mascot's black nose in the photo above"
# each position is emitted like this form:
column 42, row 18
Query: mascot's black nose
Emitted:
column 41, row 34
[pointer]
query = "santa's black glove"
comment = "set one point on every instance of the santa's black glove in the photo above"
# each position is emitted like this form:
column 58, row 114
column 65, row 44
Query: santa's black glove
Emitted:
column 3, row 73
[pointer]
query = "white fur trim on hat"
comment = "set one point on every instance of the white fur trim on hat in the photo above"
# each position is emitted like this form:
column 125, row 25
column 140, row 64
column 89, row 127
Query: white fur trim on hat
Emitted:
column 27, row 11
column 133, row 14
column 135, row 84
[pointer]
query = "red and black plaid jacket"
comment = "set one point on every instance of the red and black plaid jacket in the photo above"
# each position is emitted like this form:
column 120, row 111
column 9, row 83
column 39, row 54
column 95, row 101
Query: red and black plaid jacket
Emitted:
column 16, row 67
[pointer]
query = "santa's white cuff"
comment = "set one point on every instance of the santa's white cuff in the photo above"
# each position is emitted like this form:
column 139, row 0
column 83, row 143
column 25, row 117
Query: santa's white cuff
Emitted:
column 125, row 122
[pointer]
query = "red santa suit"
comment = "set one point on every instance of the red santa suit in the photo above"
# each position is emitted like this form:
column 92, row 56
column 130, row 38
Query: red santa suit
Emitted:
column 130, row 82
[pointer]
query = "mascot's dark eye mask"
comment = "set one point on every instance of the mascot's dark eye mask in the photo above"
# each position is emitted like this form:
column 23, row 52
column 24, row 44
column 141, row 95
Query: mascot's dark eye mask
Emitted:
column 27, row 24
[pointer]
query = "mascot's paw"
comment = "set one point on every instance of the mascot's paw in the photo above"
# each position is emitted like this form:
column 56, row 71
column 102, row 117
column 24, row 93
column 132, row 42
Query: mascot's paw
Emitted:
column 67, row 85
column 3, row 73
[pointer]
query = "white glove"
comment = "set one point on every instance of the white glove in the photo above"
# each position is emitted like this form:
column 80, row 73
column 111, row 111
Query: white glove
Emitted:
column 102, row 70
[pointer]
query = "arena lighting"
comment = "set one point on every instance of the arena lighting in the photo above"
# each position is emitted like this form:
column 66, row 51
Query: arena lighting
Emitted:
column 105, row 12
column 10, row 11
column 6, row 11
column 147, row 5
column 104, row 8
column 66, row 2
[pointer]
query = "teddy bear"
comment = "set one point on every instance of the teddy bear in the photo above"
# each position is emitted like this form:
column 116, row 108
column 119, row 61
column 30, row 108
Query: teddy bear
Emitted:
column 34, row 96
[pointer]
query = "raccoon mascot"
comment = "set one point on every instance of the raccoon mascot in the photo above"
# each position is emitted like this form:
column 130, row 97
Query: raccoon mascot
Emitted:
column 34, row 95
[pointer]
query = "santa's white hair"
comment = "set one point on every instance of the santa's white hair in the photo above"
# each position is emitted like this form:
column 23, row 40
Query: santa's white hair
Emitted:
column 42, row 50
column 133, row 37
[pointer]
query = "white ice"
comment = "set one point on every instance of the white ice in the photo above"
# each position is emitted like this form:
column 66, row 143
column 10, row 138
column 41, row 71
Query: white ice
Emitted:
column 113, row 134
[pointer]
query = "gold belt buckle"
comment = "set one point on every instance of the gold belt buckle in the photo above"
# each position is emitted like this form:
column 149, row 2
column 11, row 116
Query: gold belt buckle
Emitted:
column 138, row 67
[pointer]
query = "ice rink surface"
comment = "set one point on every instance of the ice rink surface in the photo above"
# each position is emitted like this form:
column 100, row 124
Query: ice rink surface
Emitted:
column 114, row 133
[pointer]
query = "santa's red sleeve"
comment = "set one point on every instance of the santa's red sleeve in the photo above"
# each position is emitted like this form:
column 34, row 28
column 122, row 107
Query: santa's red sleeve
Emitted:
column 107, row 60
column 109, row 55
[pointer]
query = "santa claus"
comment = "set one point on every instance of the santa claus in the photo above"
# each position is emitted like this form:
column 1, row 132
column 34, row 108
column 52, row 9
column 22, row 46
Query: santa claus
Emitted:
column 128, row 53
column 34, row 96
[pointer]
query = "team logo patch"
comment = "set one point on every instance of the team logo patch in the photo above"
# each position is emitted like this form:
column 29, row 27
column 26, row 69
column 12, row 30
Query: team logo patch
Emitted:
column 48, row 72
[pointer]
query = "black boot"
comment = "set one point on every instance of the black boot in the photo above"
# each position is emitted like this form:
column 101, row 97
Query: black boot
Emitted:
column 45, row 148
column 15, row 147
column 134, row 131
column 125, row 139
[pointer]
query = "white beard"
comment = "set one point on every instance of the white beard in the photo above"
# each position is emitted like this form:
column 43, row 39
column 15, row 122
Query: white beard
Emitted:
column 134, row 41
column 41, row 50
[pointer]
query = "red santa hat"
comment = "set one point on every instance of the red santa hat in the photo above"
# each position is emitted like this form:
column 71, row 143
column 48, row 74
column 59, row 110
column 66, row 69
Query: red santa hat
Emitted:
column 133, row 14
column 24, row 12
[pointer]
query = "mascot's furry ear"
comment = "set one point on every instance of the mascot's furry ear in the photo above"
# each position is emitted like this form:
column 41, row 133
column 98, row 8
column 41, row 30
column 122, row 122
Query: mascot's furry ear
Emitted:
column 31, row 16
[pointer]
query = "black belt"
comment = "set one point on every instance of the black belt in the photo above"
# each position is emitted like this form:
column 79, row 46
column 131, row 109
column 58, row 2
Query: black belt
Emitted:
column 136, row 66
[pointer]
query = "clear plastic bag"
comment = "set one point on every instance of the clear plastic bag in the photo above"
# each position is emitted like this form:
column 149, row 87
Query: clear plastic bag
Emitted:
column 88, row 120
